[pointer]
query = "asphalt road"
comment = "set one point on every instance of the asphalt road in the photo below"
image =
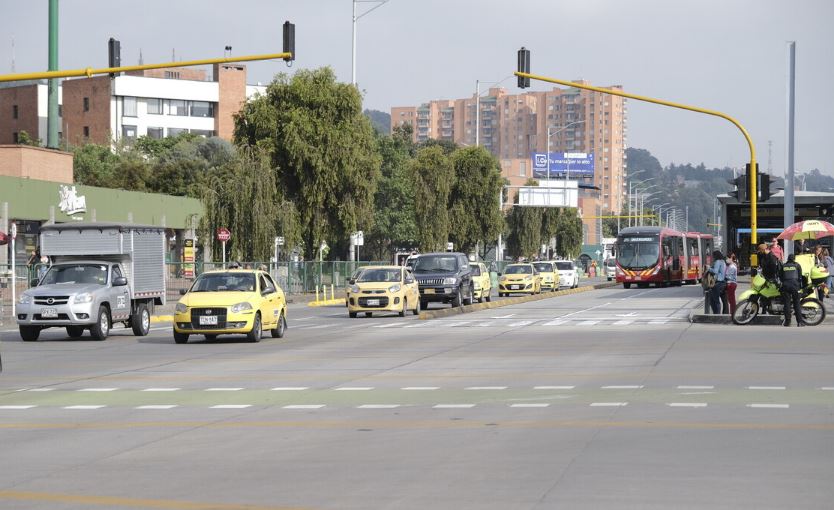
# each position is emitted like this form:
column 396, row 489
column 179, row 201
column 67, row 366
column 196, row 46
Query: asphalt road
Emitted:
column 605, row 399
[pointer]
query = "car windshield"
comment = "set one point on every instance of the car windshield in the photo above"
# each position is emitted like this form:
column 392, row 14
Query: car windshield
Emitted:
column 476, row 269
column 518, row 270
column 380, row 275
column 564, row 266
column 611, row 263
column 80, row 273
column 544, row 267
column 436, row 263
column 638, row 255
column 224, row 282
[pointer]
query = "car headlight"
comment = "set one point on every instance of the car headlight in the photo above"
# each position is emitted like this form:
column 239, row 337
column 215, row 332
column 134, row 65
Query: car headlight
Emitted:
column 241, row 307
column 24, row 299
column 354, row 289
column 394, row 288
column 450, row 281
column 84, row 297
column 477, row 286
column 181, row 308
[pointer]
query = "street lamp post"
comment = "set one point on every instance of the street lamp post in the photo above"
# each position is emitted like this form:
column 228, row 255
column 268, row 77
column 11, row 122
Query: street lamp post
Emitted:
column 379, row 3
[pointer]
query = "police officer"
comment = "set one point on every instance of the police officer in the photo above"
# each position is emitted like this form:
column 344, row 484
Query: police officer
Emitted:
column 791, row 276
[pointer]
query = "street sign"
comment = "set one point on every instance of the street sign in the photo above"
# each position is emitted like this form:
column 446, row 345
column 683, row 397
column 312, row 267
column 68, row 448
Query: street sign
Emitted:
column 13, row 231
column 450, row 246
column 358, row 238
column 223, row 234
column 279, row 241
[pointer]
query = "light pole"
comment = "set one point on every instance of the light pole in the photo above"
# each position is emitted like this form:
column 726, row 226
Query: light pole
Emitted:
column 478, row 105
column 643, row 197
column 379, row 3
column 631, row 195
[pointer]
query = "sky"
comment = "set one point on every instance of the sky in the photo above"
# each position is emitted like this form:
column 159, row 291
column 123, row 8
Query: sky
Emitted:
column 726, row 55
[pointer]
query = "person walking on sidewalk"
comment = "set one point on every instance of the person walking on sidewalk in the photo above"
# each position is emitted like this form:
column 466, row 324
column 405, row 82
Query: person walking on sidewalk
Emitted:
column 776, row 250
column 719, row 269
column 791, row 276
column 829, row 266
column 732, row 282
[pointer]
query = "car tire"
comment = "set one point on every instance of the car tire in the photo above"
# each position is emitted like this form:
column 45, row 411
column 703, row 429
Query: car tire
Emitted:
column 424, row 305
column 626, row 285
column 281, row 329
column 417, row 307
column 75, row 331
column 457, row 302
column 210, row 337
column 471, row 298
column 180, row 338
column 405, row 304
column 101, row 328
column 369, row 314
column 488, row 297
column 257, row 330
column 141, row 321
column 352, row 315
column 30, row 333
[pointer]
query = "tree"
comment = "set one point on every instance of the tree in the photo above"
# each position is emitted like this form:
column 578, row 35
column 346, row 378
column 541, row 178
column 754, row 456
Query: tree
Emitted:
column 473, row 203
column 432, row 178
column 95, row 165
column 525, row 231
column 24, row 138
column 322, row 150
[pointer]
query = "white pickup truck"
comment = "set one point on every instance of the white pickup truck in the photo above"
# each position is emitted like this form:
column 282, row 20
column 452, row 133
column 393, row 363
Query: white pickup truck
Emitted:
column 100, row 274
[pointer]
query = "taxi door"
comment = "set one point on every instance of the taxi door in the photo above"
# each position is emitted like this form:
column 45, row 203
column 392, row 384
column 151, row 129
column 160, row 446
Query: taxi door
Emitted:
column 412, row 291
column 270, row 305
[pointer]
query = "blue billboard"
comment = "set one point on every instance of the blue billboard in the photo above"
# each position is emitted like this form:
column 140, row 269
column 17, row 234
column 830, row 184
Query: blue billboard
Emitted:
column 563, row 165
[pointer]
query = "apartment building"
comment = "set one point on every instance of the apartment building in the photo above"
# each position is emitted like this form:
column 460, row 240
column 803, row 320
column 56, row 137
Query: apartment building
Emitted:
column 155, row 103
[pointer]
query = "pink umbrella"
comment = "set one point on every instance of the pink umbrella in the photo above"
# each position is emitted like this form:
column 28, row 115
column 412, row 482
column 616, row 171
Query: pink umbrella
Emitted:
column 4, row 238
column 808, row 229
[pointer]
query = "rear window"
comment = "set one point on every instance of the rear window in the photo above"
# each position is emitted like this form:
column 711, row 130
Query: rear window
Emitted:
column 544, row 267
column 476, row 269
column 564, row 266
column 519, row 269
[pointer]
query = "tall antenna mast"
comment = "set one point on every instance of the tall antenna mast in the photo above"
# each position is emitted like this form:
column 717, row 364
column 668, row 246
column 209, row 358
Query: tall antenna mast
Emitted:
column 13, row 69
column 770, row 157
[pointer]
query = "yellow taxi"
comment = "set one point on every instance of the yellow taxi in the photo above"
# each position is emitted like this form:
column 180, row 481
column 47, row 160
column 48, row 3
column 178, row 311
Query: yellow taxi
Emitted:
column 384, row 289
column 549, row 275
column 229, row 302
column 519, row 279
column 481, row 281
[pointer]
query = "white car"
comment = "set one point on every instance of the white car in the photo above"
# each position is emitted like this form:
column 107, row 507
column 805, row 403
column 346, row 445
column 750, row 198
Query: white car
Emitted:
column 568, row 273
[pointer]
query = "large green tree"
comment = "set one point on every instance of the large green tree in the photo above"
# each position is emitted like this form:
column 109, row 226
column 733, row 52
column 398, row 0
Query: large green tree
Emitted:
column 475, row 217
column 322, row 149
column 432, row 178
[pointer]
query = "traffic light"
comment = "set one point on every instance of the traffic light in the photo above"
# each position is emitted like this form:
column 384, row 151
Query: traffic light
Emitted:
column 763, row 185
column 523, row 67
column 742, row 184
column 114, row 54
column 289, row 40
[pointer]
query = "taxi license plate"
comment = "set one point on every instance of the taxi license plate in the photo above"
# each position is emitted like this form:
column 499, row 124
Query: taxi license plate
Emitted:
column 373, row 302
column 515, row 287
column 428, row 291
column 208, row 320
column 49, row 313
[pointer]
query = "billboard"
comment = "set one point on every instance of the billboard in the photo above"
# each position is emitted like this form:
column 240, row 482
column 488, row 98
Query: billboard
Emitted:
column 563, row 165
column 552, row 194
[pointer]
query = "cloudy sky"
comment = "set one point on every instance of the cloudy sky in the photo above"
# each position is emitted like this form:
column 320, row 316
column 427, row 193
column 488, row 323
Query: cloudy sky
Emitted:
column 728, row 55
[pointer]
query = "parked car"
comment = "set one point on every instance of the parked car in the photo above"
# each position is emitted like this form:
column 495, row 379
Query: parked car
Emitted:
column 568, row 273
column 444, row 277
column 547, row 270
column 384, row 289
column 229, row 302
column 520, row 279
column 482, row 281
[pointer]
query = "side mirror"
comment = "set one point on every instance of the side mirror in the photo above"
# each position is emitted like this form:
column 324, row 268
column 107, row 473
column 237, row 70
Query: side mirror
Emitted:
column 34, row 282
column 183, row 291
column 499, row 273
column 409, row 280
column 121, row 281
column 352, row 281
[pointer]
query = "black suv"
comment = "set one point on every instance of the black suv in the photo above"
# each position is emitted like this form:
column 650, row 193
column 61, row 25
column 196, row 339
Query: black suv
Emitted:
column 444, row 278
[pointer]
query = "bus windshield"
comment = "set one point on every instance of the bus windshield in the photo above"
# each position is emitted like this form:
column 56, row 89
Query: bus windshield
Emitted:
column 638, row 254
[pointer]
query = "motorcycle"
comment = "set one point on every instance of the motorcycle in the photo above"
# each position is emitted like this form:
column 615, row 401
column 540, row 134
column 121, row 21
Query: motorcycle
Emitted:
column 765, row 297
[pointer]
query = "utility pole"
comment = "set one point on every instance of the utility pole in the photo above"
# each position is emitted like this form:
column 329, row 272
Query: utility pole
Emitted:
column 788, row 219
column 52, row 91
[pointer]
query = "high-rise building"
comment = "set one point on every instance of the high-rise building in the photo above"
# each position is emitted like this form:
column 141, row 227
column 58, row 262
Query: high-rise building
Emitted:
column 513, row 126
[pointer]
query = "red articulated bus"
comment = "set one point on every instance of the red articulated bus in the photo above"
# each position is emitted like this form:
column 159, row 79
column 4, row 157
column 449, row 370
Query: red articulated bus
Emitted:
column 661, row 256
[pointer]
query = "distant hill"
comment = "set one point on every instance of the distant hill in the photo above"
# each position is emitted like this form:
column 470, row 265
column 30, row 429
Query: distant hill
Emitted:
column 380, row 120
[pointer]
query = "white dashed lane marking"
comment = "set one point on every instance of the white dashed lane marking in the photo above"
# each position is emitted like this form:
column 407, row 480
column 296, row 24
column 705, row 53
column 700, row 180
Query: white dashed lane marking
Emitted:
column 303, row 406
column 454, row 406
column 769, row 406
column 623, row 387
column 12, row 408
column 354, row 388
column 609, row 404
column 84, row 407
column 696, row 387
column 378, row 406
column 687, row 404
column 98, row 389
column 231, row 406
column 41, row 390
column 161, row 389
column 765, row 387
column 622, row 323
column 421, row 388
column 553, row 387
column 588, row 323
column 529, row 405
column 486, row 388
column 290, row 388
column 157, row 406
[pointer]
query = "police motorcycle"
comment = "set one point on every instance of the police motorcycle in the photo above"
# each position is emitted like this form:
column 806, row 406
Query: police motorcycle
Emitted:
column 765, row 297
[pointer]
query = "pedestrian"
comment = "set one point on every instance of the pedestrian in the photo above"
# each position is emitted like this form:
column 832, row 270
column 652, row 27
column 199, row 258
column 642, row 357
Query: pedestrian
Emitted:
column 732, row 282
column 791, row 276
column 769, row 264
column 593, row 269
column 829, row 266
column 719, row 269
column 776, row 250
column 43, row 267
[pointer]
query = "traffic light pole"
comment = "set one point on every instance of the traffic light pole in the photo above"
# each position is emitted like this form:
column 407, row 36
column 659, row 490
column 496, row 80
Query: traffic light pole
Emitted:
column 753, row 177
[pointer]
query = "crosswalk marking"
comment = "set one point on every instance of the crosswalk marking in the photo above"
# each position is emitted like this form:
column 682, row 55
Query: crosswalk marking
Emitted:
column 557, row 322
column 520, row 324
column 588, row 323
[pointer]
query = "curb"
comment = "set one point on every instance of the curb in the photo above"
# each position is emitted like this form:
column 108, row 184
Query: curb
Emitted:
column 446, row 312
column 162, row 318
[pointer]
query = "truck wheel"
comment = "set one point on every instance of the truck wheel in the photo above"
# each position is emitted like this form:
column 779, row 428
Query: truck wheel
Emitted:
column 281, row 328
column 101, row 328
column 141, row 320
column 471, row 298
column 180, row 338
column 257, row 330
column 29, row 333
column 458, row 300
column 75, row 331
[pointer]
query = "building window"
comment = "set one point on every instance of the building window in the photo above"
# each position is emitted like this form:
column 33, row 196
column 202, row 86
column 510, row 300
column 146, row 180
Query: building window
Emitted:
column 155, row 106
column 156, row 133
column 86, row 104
column 176, row 131
column 15, row 137
column 202, row 132
column 129, row 132
column 60, row 110
column 172, row 75
column 14, row 111
column 86, row 131
column 129, row 106
column 178, row 107
column 202, row 109
column 522, row 168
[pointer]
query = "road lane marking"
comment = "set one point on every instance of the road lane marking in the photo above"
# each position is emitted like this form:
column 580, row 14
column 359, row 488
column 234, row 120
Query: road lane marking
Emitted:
column 290, row 388
column 765, row 387
column 303, row 406
column 658, row 322
column 420, row 324
column 421, row 388
column 687, row 404
column 530, row 405
column 624, row 387
column 587, row 323
column 609, row 404
column 696, row 387
column 83, row 407
column 827, row 388
column 503, row 316
column 485, row 324
column 11, row 408
column 622, row 323
column 231, row 406
column 378, row 406
column 161, row 389
column 98, row 389
column 486, row 388
column 320, row 326
column 769, row 406
column 553, row 387
column 454, row 406
column 456, row 324
column 391, row 325
column 557, row 322
column 354, row 388
column 520, row 324
column 158, row 406
column 41, row 389
column 223, row 389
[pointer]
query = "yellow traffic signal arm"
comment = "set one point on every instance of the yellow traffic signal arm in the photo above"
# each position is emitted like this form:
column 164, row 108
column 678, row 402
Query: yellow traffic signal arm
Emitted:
column 753, row 173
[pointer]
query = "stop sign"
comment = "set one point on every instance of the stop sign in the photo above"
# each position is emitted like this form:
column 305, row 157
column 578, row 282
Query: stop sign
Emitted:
column 223, row 234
